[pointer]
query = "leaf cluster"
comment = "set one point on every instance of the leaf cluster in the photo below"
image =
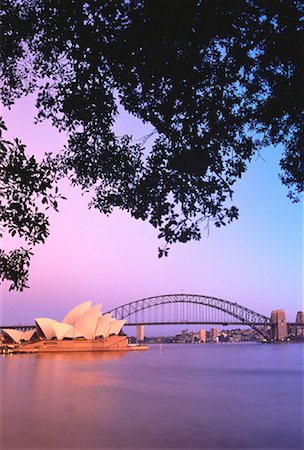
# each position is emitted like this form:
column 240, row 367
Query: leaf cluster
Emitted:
column 217, row 80
column 24, row 183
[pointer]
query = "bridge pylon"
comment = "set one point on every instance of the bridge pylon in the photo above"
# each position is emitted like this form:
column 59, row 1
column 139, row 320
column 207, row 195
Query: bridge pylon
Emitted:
column 140, row 332
column 279, row 325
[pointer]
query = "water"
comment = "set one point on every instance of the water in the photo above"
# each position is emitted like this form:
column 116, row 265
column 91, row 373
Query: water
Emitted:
column 212, row 396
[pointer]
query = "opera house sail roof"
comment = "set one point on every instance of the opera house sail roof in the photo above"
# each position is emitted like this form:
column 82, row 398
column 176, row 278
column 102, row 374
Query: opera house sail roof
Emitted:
column 17, row 335
column 84, row 321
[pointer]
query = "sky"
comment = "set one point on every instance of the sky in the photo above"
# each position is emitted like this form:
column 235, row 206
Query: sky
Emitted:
column 257, row 261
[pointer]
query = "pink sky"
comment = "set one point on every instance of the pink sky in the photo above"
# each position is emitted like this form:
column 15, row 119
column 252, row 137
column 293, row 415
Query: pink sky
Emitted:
column 257, row 261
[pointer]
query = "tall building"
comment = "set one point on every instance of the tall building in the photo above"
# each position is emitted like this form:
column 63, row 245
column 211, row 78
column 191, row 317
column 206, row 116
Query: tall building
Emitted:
column 278, row 320
column 185, row 333
column 202, row 335
column 273, row 316
column 300, row 319
column 140, row 333
column 214, row 334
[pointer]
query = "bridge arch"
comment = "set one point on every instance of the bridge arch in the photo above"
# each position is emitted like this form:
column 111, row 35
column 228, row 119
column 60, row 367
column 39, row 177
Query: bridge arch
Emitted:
column 137, row 312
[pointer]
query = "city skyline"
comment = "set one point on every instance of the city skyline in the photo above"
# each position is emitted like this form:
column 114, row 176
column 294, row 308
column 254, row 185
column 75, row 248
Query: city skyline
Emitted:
column 256, row 261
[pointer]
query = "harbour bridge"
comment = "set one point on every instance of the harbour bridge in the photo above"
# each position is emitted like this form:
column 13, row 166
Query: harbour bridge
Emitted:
column 194, row 309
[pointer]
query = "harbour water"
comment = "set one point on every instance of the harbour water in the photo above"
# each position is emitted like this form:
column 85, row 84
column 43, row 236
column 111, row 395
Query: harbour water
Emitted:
column 191, row 396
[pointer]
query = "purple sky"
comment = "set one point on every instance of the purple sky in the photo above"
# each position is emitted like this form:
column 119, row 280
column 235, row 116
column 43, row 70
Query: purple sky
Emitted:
column 257, row 261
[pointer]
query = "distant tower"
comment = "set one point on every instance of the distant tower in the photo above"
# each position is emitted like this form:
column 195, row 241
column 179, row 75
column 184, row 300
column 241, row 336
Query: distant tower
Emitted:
column 273, row 316
column 300, row 319
column 278, row 319
column 214, row 334
column 185, row 333
column 140, row 334
column 202, row 335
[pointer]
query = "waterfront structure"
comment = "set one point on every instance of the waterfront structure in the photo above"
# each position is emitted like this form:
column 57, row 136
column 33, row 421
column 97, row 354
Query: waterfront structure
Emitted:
column 202, row 335
column 112, row 343
column 17, row 335
column 300, row 317
column 188, row 309
column 140, row 333
column 279, row 322
column 176, row 309
column 83, row 321
column 185, row 334
column 84, row 328
column 300, row 320
column 214, row 334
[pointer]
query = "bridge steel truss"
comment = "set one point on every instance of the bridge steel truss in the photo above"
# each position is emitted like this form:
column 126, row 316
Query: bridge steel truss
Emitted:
column 190, row 309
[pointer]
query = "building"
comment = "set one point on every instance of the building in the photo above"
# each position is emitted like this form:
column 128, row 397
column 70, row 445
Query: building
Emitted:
column 17, row 335
column 300, row 320
column 84, row 328
column 202, row 335
column 214, row 334
column 300, row 317
column 279, row 325
column 140, row 332
column 185, row 334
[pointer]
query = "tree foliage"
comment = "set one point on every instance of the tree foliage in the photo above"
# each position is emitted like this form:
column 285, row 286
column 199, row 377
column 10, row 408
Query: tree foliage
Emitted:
column 24, row 183
column 217, row 79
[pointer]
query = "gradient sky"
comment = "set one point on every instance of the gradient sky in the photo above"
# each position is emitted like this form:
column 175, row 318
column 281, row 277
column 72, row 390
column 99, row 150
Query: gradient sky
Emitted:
column 257, row 261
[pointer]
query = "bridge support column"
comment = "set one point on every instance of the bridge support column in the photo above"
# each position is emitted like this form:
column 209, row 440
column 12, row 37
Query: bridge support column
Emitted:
column 140, row 332
column 300, row 320
column 279, row 325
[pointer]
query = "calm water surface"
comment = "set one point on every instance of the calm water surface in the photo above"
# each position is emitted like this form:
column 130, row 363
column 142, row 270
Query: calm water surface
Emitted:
column 212, row 396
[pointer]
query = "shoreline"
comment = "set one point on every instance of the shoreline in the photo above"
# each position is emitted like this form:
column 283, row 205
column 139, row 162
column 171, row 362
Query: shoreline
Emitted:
column 110, row 344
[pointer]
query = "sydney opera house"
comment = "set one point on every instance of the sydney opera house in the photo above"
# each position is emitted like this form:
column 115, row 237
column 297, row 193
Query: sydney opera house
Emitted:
column 84, row 328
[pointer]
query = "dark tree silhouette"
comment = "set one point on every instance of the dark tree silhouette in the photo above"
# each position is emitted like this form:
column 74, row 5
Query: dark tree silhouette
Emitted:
column 26, row 190
column 217, row 79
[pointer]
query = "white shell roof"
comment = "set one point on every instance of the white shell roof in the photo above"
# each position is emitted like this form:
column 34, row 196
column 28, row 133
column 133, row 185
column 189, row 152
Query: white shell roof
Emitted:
column 62, row 329
column 84, row 320
column 77, row 312
column 14, row 334
column 103, row 325
column 116, row 326
column 99, row 329
column 27, row 335
column 18, row 335
column 46, row 326
column 86, row 324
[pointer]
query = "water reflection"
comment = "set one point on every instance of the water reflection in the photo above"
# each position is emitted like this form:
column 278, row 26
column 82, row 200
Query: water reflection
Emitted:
column 49, row 398
column 82, row 356
column 182, row 397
